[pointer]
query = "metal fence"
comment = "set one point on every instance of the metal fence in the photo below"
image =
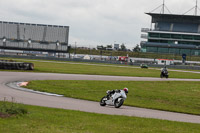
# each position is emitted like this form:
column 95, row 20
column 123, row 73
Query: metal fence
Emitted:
column 107, row 62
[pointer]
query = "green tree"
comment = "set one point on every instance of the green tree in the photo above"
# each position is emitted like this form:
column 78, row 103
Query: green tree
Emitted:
column 101, row 47
column 123, row 47
column 109, row 46
column 136, row 48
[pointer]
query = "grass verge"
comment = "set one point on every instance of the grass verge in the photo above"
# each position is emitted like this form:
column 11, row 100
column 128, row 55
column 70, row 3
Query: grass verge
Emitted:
column 50, row 120
column 173, row 96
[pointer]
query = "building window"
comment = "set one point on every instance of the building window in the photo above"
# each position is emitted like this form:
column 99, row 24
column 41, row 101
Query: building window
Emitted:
column 176, row 36
column 151, row 40
column 174, row 50
column 144, row 49
column 185, row 51
column 196, row 37
column 187, row 37
column 195, row 52
column 153, row 35
column 165, row 35
column 152, row 49
column 163, row 50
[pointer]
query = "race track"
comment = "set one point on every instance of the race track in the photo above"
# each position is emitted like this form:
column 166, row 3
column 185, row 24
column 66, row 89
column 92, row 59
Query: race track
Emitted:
column 83, row 105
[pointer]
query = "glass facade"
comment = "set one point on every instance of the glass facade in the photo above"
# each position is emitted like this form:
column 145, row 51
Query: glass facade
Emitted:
column 177, row 51
column 175, row 39
column 181, row 38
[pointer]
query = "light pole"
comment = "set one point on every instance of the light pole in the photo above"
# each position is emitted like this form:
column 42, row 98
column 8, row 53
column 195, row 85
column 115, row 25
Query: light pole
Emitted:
column 75, row 49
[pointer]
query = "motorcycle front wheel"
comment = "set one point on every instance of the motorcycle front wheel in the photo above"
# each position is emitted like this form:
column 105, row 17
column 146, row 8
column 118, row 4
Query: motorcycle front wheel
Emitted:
column 103, row 102
column 118, row 103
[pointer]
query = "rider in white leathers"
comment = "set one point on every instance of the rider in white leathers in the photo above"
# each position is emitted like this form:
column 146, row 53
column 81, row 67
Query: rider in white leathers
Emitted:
column 110, row 93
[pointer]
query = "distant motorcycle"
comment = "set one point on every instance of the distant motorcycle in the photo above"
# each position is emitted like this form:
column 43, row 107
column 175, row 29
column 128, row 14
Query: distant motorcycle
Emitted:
column 116, row 99
column 164, row 74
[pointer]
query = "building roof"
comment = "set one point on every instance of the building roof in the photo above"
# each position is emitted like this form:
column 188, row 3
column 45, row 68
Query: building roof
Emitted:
column 5, row 22
column 157, row 17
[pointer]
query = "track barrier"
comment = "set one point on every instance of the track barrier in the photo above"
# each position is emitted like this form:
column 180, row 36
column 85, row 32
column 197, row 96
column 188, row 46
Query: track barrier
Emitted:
column 12, row 65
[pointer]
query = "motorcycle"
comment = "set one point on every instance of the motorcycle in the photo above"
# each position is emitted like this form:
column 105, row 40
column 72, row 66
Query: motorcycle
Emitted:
column 116, row 99
column 164, row 74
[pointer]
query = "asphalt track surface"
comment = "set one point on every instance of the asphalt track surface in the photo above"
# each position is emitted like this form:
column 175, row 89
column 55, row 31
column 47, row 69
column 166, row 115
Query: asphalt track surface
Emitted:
column 83, row 105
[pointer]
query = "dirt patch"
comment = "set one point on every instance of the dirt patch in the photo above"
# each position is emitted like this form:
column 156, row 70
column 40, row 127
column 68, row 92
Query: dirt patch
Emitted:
column 2, row 115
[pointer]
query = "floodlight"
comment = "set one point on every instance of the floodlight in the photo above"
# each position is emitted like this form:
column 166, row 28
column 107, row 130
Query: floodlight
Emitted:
column 29, row 41
column 4, row 39
column 57, row 43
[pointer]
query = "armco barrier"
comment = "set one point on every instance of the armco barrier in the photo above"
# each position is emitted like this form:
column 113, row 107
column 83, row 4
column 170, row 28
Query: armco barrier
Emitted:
column 99, row 61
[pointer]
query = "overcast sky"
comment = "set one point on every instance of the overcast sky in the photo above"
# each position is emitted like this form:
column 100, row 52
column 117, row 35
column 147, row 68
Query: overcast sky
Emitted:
column 92, row 22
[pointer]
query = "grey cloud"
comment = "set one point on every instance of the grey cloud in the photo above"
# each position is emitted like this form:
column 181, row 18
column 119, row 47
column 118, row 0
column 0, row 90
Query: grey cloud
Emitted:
column 91, row 21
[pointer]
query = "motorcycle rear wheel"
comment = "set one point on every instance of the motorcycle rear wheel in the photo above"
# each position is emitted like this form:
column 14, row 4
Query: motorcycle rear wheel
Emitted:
column 118, row 103
column 102, row 102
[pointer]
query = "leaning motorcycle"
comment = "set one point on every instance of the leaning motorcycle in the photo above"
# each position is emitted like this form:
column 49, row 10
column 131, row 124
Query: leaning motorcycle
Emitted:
column 164, row 74
column 116, row 99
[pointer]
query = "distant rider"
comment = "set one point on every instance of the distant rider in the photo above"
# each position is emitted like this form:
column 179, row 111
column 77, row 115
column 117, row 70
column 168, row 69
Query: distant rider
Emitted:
column 164, row 69
column 111, row 92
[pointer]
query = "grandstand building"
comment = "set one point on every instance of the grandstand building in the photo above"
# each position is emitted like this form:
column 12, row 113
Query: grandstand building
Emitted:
column 173, row 34
column 33, row 37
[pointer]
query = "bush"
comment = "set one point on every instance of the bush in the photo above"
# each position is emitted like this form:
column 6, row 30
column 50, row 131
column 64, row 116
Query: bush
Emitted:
column 12, row 108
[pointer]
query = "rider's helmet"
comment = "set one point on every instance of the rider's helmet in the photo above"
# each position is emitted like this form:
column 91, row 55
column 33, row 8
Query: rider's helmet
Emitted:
column 108, row 91
column 126, row 90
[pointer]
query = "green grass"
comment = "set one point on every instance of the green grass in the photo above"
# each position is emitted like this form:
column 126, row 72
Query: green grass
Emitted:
column 50, row 120
column 115, row 70
column 171, row 96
